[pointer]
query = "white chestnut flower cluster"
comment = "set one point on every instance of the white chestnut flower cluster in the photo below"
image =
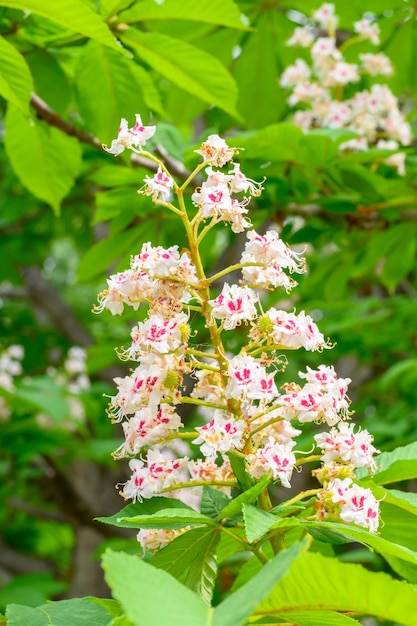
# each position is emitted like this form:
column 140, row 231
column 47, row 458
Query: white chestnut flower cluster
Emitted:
column 250, row 412
column 318, row 88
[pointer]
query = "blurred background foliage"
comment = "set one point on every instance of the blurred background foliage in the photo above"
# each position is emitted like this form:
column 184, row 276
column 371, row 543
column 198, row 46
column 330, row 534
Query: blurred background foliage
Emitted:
column 70, row 215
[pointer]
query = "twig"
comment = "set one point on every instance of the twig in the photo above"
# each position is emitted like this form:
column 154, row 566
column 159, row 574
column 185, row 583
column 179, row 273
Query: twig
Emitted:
column 48, row 115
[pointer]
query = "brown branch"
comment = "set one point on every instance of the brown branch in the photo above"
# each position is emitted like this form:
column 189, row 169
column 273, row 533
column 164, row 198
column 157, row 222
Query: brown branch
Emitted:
column 45, row 297
column 48, row 115
column 21, row 505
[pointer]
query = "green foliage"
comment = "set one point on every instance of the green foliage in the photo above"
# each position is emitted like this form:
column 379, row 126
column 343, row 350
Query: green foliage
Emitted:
column 79, row 612
column 195, row 68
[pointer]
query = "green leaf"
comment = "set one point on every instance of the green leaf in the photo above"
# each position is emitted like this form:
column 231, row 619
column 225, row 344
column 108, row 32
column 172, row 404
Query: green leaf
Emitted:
column 338, row 531
column 401, row 260
column 213, row 501
column 235, row 610
column 104, row 253
column 341, row 589
column 278, row 143
column 361, row 180
column 261, row 99
column 51, row 82
column 259, row 522
column 117, row 175
column 46, row 160
column 192, row 69
column 238, row 464
column 149, row 596
column 73, row 14
column 202, row 572
column 168, row 518
column 44, row 394
column 146, row 507
column 15, row 79
column 401, row 499
column 400, row 464
column 221, row 12
column 115, row 202
column 177, row 556
column 30, row 589
column 400, row 527
column 235, row 506
column 339, row 203
column 322, row 149
column 313, row 618
column 123, row 88
column 75, row 612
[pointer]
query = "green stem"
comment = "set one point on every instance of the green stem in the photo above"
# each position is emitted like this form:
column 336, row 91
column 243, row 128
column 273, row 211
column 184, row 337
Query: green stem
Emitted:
column 270, row 348
column 301, row 496
column 200, row 483
column 201, row 353
column 308, row 459
column 193, row 175
column 231, row 268
column 198, row 402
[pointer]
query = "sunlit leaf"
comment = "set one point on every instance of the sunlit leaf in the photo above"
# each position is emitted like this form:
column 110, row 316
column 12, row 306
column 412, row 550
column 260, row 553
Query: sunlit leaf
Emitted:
column 15, row 79
column 73, row 14
column 46, row 160
column 194, row 70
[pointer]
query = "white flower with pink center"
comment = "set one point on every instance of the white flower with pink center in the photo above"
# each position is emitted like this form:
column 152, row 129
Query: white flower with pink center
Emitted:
column 295, row 331
column 152, row 478
column 266, row 277
column 137, row 136
column 129, row 287
column 234, row 305
column 343, row 73
column 138, row 486
column 294, row 74
column 282, row 431
column 157, row 333
column 147, row 427
column 325, row 48
column 357, row 505
column 326, row 17
column 305, row 405
column 323, row 398
column 248, row 380
column 342, row 444
column 164, row 472
column 213, row 200
column 156, row 261
column 359, row 144
column 308, row 92
column 272, row 255
column 270, row 249
column 216, row 150
column 221, row 434
column 375, row 64
column 338, row 115
column 304, row 119
column 159, row 186
column 144, row 387
column 367, row 30
column 238, row 182
column 154, row 539
column 208, row 386
column 302, row 37
column 208, row 470
column 275, row 458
